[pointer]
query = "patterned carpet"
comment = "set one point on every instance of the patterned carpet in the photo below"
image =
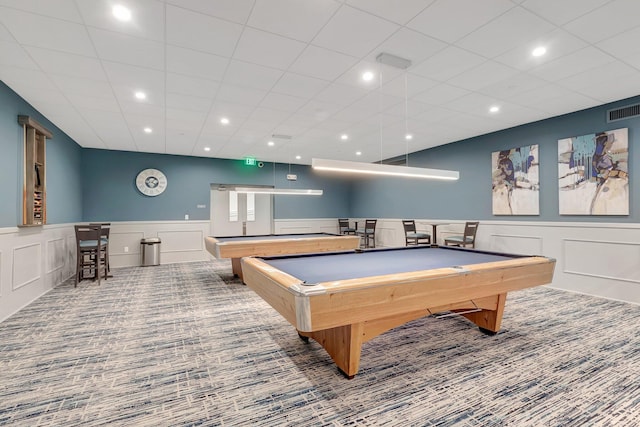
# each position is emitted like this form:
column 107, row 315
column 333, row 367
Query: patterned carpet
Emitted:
column 187, row 345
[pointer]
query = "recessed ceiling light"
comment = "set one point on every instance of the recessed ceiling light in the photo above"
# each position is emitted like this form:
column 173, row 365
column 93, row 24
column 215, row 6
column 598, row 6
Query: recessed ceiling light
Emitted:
column 271, row 143
column 367, row 76
column 140, row 95
column 344, row 137
column 121, row 13
column 494, row 109
column 358, row 153
column 147, row 130
column 207, row 148
column 224, row 121
column 539, row 51
column 408, row 137
column 298, row 157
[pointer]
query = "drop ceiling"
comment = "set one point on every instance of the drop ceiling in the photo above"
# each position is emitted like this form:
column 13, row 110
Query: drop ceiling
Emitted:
column 294, row 68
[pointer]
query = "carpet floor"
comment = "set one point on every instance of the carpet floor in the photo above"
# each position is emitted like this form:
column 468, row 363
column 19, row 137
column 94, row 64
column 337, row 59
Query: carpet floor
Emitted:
column 189, row 345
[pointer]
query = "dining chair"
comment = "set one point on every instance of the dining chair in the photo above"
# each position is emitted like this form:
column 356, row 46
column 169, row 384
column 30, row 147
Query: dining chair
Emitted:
column 413, row 237
column 368, row 234
column 105, row 229
column 468, row 238
column 90, row 253
column 343, row 226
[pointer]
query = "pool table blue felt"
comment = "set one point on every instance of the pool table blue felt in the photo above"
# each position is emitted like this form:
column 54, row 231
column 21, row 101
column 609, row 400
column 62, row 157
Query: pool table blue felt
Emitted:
column 317, row 268
column 225, row 239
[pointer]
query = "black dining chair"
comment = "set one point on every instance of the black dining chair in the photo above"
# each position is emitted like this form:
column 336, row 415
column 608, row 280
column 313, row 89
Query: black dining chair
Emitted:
column 413, row 237
column 344, row 227
column 91, row 259
column 468, row 238
column 368, row 235
column 105, row 229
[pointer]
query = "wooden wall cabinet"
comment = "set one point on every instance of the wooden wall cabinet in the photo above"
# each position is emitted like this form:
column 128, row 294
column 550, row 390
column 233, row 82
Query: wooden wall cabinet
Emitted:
column 34, row 191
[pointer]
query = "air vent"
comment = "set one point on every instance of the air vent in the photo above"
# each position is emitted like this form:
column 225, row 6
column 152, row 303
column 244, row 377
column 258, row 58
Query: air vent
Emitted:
column 623, row 113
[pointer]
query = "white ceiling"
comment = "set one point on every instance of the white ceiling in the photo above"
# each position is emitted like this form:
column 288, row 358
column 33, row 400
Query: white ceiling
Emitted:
column 293, row 67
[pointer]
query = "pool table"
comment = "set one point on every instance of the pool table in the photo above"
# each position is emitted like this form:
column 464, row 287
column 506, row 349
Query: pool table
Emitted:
column 342, row 300
column 236, row 247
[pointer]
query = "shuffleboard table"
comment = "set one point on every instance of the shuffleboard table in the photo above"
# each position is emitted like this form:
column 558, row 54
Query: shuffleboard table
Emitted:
column 236, row 247
column 342, row 300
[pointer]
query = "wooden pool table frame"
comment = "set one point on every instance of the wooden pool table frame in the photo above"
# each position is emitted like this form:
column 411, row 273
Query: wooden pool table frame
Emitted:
column 261, row 246
column 342, row 315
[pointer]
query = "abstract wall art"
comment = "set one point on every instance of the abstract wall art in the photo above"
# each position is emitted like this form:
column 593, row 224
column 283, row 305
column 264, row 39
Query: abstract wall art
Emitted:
column 516, row 183
column 593, row 174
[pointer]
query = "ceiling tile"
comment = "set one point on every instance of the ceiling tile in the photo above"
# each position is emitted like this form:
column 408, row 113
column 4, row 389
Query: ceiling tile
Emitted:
column 60, row 9
column 205, row 33
column 14, row 55
column 251, row 75
column 322, row 63
column 267, row 49
column 613, row 18
column 240, row 95
column 194, row 86
column 130, row 79
column 574, row 63
column 558, row 43
column 67, row 64
column 622, row 45
column 188, row 102
column 440, row 94
column 400, row 13
column 561, row 12
column 470, row 15
column 447, row 63
column 83, row 86
column 520, row 25
column 340, row 94
column 486, row 74
column 196, row 64
column 507, row 88
column 48, row 33
column 279, row 101
column 292, row 18
column 300, row 86
column 147, row 21
column 127, row 49
column 407, row 85
column 232, row 10
column 82, row 101
column 410, row 45
column 354, row 32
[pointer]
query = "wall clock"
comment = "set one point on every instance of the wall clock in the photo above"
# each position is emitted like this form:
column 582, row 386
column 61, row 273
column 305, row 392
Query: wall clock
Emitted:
column 151, row 182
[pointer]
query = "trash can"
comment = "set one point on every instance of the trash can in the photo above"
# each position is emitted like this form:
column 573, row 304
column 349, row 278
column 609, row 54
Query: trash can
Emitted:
column 150, row 251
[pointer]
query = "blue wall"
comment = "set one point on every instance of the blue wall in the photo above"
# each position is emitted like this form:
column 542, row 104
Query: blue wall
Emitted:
column 64, row 181
column 471, row 197
column 109, row 192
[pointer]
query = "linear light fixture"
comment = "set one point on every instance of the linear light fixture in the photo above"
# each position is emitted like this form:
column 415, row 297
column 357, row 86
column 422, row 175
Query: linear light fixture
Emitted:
column 380, row 169
column 280, row 191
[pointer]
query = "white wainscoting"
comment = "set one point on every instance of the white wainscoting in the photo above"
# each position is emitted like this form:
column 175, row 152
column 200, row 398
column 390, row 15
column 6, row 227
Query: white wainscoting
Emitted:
column 34, row 260
column 596, row 259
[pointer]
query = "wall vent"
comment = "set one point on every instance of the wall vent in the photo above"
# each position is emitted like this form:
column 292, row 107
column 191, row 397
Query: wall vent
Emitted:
column 623, row 113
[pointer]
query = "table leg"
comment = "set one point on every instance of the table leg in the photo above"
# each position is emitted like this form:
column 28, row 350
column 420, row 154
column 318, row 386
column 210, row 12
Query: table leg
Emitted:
column 343, row 343
column 236, row 267
column 489, row 320
column 434, row 235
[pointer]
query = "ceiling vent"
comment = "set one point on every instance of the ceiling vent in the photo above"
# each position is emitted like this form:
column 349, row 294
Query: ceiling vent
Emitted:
column 623, row 113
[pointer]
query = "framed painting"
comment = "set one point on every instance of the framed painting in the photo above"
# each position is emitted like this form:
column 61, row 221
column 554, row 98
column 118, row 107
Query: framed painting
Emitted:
column 593, row 174
column 516, row 181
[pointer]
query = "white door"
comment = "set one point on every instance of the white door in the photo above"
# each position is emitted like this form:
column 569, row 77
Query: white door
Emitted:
column 240, row 214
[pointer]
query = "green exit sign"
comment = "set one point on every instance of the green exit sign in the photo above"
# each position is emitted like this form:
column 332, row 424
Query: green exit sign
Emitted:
column 250, row 161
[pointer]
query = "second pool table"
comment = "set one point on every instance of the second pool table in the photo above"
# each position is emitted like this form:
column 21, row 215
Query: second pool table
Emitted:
column 236, row 247
column 342, row 300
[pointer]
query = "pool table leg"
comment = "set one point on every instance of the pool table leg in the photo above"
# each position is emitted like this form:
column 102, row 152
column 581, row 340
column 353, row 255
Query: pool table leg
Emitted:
column 343, row 343
column 236, row 266
column 489, row 320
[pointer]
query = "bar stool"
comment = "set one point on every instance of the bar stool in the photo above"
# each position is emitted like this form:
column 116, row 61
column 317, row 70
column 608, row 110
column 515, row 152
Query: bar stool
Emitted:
column 90, row 253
